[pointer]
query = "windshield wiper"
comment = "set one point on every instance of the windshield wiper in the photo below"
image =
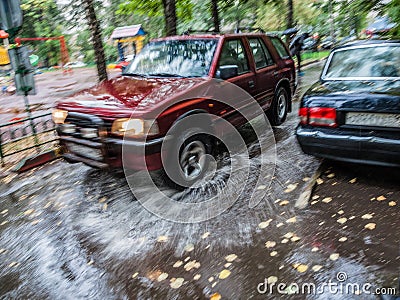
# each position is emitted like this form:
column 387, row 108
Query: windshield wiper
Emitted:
column 165, row 75
column 134, row 74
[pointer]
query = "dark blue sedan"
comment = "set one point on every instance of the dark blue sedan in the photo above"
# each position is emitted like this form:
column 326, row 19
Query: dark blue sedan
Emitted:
column 353, row 112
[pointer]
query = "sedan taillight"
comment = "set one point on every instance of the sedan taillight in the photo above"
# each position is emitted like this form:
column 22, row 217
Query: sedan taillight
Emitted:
column 318, row 116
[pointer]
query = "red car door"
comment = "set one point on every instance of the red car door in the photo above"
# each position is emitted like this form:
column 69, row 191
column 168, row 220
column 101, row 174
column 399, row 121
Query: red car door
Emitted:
column 266, row 72
column 234, row 53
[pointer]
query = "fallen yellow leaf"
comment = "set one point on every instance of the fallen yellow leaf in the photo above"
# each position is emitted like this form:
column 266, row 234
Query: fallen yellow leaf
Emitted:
column 291, row 187
column 316, row 268
column 343, row 239
column 327, row 200
column 273, row 253
column 205, row 235
column 392, row 203
column 331, row 175
column 291, row 220
column 224, row 274
column 189, row 248
column 176, row 282
column 283, row 203
column 370, row 226
column 177, row 264
column 134, row 275
column 301, row 268
column 320, row 181
column 28, row 212
column 270, row 244
column 230, row 257
column 342, row 220
column 381, row 198
column 366, row 216
column 353, row 180
column 215, row 296
column 162, row 277
column 334, row 256
column 196, row 277
column 162, row 239
column 265, row 224
column 272, row 279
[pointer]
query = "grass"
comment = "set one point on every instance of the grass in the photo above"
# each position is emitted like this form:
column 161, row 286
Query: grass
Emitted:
column 305, row 56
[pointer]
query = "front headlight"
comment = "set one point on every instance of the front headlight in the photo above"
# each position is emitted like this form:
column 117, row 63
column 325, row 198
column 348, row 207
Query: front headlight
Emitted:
column 134, row 127
column 59, row 116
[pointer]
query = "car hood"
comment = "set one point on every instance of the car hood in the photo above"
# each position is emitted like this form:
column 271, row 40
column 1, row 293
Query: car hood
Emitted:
column 120, row 96
column 382, row 95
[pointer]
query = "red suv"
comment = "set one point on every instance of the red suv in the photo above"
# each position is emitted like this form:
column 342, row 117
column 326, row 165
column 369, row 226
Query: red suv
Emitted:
column 93, row 124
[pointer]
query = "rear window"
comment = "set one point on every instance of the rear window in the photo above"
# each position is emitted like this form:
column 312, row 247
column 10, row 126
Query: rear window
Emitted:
column 280, row 48
column 364, row 62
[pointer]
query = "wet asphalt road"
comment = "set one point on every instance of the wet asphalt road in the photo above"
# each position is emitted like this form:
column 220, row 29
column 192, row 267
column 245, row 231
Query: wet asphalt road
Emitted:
column 71, row 232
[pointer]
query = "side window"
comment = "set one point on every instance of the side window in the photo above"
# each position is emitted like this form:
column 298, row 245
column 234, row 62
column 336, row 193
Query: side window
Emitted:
column 261, row 55
column 233, row 53
column 280, row 48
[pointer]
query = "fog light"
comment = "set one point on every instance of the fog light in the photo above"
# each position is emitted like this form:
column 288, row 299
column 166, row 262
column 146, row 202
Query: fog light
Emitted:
column 59, row 116
column 68, row 128
column 89, row 133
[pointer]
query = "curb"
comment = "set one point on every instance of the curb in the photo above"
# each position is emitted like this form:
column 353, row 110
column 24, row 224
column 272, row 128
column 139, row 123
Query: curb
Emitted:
column 37, row 160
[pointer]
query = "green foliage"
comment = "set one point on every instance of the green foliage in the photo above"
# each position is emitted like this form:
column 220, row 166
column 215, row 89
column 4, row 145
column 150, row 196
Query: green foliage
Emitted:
column 42, row 19
column 393, row 10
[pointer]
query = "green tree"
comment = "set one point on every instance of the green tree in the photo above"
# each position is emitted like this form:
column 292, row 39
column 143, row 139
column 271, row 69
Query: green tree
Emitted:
column 42, row 18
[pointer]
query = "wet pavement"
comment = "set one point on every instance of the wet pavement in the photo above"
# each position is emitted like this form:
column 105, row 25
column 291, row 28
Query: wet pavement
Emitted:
column 71, row 232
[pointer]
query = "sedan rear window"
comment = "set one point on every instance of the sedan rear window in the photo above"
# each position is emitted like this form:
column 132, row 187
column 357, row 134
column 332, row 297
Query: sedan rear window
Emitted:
column 364, row 62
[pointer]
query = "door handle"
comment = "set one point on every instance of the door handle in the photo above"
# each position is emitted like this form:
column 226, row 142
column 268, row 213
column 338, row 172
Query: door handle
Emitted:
column 251, row 84
column 275, row 73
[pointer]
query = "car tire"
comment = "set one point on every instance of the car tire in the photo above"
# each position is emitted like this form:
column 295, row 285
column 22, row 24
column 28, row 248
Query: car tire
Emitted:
column 187, row 162
column 278, row 111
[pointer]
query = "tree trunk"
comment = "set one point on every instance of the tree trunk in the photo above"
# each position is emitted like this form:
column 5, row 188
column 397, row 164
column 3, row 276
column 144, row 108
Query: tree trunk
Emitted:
column 170, row 16
column 215, row 16
column 96, row 39
column 289, row 23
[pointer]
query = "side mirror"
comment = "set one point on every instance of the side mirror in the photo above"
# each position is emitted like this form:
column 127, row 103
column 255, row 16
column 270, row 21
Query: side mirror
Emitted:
column 226, row 72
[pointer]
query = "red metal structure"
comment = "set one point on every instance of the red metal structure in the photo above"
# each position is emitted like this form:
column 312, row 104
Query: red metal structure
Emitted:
column 63, row 45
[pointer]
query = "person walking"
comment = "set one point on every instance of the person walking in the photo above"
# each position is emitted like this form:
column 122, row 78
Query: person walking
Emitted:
column 295, row 46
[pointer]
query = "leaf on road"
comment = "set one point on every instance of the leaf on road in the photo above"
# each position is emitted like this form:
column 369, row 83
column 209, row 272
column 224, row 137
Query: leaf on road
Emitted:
column 342, row 220
column 162, row 239
column 230, row 257
column 4, row 212
column 370, row 226
column 331, row 175
column 283, row 203
column 270, row 244
column 381, row 198
column 205, row 235
column 196, row 277
column 13, row 264
column 392, row 203
column 366, row 216
column 279, row 225
column 327, row 199
column 291, row 188
column 211, row 279
column 28, row 212
column 340, row 212
column 284, row 241
column 354, row 180
column 334, row 256
column 36, row 221
column 273, row 253
column 343, row 239
column 288, row 235
column 103, row 199
column 2, row 250
column 189, row 248
column 291, row 220
column 215, row 296
column 224, row 274
column 316, row 268
column 162, row 277
column 192, row 264
column 176, row 283
column 265, row 224
column 315, row 249
column 177, row 264
column 261, row 187
column 272, row 279
column 315, row 197
column 305, row 179
column 134, row 275
column 295, row 239
column 320, row 181
column 301, row 268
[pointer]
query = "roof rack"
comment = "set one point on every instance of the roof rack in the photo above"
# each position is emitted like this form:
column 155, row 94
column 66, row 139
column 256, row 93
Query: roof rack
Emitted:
column 191, row 31
column 249, row 29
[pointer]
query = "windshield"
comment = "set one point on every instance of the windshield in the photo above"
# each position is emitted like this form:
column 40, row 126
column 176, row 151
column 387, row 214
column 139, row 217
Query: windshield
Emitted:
column 367, row 62
column 174, row 58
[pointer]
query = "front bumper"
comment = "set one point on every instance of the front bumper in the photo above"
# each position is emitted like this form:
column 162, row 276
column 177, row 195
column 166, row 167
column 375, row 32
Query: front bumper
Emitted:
column 138, row 155
column 350, row 147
